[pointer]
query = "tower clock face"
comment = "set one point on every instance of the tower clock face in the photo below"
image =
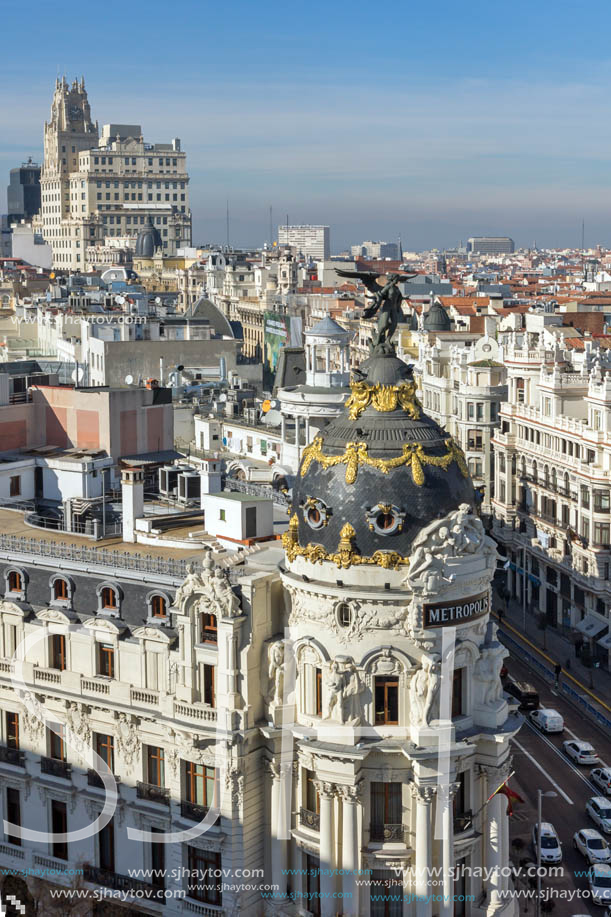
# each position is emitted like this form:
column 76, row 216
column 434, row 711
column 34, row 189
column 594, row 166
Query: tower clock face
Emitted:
column 74, row 112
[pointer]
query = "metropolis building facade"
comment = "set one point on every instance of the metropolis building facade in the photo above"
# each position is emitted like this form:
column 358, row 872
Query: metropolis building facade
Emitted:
column 314, row 727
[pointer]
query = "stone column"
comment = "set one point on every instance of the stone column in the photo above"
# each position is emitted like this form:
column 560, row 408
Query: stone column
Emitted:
column 494, row 848
column 279, row 826
column 351, row 817
column 445, row 796
column 328, row 358
column 283, row 428
column 307, row 431
column 423, row 796
column 326, row 793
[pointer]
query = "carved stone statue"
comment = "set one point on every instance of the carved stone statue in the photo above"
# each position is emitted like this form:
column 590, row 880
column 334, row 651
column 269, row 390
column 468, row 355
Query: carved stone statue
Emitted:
column 386, row 303
column 211, row 588
column 127, row 738
column 344, row 687
column 427, row 571
column 228, row 602
column 276, row 671
column 77, row 720
column 487, row 673
column 423, row 690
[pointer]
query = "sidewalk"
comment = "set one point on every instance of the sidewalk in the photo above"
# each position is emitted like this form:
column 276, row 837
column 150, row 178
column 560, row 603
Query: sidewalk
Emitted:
column 559, row 648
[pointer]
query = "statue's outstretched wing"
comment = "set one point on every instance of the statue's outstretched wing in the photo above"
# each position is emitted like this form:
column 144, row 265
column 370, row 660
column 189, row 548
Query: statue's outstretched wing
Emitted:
column 368, row 278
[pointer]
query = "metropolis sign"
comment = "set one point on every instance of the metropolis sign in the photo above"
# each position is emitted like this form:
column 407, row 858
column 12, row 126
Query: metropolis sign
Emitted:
column 445, row 615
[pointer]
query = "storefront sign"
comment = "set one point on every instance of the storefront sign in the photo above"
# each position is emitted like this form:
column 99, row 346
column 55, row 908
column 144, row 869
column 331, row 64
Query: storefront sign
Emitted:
column 446, row 615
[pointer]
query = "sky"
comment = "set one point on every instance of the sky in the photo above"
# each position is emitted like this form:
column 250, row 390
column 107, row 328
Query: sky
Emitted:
column 435, row 122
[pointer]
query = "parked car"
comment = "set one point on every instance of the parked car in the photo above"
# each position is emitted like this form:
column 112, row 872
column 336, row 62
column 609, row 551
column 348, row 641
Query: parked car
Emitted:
column 547, row 720
column 580, row 752
column 599, row 810
column 551, row 848
column 601, row 777
column 592, row 845
column 599, row 880
column 524, row 693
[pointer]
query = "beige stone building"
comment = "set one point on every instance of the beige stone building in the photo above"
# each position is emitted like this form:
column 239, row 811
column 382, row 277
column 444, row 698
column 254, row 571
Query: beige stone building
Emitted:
column 98, row 187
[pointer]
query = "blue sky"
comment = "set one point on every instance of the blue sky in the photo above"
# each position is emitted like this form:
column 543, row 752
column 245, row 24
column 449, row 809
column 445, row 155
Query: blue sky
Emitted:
column 435, row 121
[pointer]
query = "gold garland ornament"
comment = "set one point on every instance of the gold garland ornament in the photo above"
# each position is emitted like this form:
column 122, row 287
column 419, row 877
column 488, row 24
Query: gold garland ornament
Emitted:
column 383, row 398
column 346, row 554
column 357, row 454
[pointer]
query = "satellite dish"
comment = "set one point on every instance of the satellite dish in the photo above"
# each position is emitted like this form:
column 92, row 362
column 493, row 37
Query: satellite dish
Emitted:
column 223, row 397
column 120, row 299
column 77, row 375
column 158, row 300
column 129, row 379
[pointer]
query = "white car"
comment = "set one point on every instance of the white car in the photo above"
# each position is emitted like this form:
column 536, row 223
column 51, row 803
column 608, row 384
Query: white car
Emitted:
column 593, row 845
column 599, row 810
column 547, row 720
column 599, row 880
column 551, row 848
column 601, row 777
column 580, row 752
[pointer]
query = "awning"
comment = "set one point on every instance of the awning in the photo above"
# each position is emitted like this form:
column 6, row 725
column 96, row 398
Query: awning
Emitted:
column 605, row 642
column 591, row 625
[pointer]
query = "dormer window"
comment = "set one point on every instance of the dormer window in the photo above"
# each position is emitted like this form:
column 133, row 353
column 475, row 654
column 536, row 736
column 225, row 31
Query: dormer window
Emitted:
column 208, row 628
column 158, row 606
column 15, row 581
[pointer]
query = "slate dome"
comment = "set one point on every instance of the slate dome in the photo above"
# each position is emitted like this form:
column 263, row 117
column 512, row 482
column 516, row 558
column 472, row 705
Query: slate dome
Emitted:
column 378, row 474
column 147, row 240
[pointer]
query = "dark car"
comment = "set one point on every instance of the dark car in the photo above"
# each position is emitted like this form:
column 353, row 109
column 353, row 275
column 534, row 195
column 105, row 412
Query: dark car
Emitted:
column 524, row 693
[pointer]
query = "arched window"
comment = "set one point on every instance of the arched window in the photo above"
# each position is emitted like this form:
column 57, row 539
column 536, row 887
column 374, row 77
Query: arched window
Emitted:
column 15, row 581
column 208, row 628
column 60, row 590
column 109, row 598
column 158, row 606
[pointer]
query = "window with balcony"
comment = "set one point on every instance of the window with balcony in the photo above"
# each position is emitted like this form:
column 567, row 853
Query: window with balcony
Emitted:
column 155, row 765
column 199, row 795
column 386, row 812
column 386, row 894
column 313, row 884
column 13, row 814
column 585, row 529
column 105, row 747
column 208, row 685
column 208, row 628
column 475, row 442
column 57, row 651
column 59, row 825
column 386, row 701
column 601, row 534
column 56, row 741
column 106, row 660
column 157, row 861
column 601, row 501
column 202, row 863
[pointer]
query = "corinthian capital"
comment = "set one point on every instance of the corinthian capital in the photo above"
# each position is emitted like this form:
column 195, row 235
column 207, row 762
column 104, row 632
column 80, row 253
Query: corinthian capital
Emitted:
column 423, row 793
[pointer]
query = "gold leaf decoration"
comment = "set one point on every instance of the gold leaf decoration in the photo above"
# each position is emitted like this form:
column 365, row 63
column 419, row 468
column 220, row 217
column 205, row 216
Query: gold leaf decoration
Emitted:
column 346, row 554
column 383, row 398
column 357, row 455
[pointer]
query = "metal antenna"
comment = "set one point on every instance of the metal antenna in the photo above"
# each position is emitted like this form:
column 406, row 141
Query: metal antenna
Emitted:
column 227, row 222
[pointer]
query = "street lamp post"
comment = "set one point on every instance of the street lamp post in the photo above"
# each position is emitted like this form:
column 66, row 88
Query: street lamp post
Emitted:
column 540, row 795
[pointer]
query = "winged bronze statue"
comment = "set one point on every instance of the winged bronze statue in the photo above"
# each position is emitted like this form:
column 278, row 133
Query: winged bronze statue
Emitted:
column 386, row 301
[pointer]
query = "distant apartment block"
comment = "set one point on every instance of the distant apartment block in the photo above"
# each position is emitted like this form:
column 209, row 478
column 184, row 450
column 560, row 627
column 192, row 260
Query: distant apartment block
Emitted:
column 375, row 250
column 23, row 192
column 311, row 241
column 491, row 245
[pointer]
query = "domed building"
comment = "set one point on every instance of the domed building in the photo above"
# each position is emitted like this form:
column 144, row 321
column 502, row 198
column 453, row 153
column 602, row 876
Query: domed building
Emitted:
column 148, row 241
column 389, row 730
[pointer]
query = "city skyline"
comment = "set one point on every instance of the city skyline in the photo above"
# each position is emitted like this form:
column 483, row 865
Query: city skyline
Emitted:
column 475, row 126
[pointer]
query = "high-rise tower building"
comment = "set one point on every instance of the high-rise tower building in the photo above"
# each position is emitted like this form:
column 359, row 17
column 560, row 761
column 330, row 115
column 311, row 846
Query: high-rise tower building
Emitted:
column 113, row 185
column 23, row 192
column 311, row 241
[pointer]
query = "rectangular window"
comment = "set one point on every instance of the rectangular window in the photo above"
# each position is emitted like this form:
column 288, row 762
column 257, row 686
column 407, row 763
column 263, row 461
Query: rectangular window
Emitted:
column 585, row 529
column 58, row 652
column 601, row 534
column 15, row 486
column 199, row 784
column 106, row 847
column 601, row 501
column 313, row 884
column 470, row 410
column 209, row 697
column 13, row 813
column 222, row 516
column 474, row 440
column 12, row 730
column 479, row 413
column 59, row 825
column 57, row 741
column 318, row 689
column 208, row 629
column 106, row 660
column 385, row 808
column 10, row 638
column 312, row 798
column 201, row 865
column 457, row 693
column 386, row 701
column 105, row 748
column 585, row 497
column 155, row 765
column 157, row 861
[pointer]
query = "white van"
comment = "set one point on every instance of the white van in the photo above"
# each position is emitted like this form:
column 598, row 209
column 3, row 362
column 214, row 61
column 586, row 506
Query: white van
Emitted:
column 547, row 720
